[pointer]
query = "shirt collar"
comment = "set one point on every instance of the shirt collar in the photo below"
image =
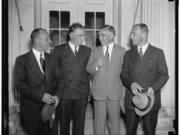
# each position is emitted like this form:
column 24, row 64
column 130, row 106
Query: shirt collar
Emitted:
column 73, row 45
column 37, row 53
column 144, row 47
column 110, row 45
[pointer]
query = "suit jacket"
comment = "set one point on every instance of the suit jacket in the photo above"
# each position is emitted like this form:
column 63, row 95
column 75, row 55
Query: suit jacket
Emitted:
column 31, row 83
column 74, row 82
column 150, row 71
column 106, row 81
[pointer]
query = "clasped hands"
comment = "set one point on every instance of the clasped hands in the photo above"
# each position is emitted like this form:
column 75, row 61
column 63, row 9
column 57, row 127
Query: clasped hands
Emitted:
column 49, row 99
column 136, row 89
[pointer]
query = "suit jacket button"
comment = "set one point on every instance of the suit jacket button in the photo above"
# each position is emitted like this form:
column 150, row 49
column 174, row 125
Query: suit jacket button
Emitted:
column 70, row 71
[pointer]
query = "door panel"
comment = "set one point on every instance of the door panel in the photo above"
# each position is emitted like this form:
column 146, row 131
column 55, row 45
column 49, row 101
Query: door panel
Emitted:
column 57, row 15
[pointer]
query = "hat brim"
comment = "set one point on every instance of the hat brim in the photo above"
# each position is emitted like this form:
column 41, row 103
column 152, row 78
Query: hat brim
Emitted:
column 144, row 112
column 122, row 104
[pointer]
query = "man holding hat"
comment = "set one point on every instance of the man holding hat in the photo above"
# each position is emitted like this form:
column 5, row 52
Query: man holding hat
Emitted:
column 144, row 73
column 31, row 70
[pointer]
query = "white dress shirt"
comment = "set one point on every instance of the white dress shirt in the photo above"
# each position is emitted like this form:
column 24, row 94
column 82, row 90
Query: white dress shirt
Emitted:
column 110, row 49
column 144, row 48
column 37, row 56
column 72, row 46
column 111, row 45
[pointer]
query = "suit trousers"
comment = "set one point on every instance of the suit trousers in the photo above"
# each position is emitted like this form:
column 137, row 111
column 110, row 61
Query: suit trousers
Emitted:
column 34, row 126
column 75, row 110
column 149, row 122
column 107, row 109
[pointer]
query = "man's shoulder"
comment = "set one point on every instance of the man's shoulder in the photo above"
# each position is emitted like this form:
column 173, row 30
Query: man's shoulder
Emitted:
column 98, row 48
column 86, row 47
column 119, row 47
column 60, row 47
column 23, row 57
column 155, row 49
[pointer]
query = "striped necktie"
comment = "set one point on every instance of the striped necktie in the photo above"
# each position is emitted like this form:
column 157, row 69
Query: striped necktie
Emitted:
column 107, row 53
column 42, row 61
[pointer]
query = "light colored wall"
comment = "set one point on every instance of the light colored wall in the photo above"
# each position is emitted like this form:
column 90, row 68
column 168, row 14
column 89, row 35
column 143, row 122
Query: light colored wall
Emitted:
column 19, row 40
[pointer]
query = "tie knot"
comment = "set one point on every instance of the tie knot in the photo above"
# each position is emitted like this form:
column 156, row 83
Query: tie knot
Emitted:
column 41, row 54
column 107, row 47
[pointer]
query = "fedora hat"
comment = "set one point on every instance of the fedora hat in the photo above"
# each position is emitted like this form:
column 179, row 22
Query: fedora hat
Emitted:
column 122, row 104
column 48, row 114
column 143, row 103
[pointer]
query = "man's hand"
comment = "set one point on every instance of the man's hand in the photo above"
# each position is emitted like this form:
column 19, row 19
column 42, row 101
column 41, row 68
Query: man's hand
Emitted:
column 136, row 88
column 47, row 98
column 56, row 100
column 99, row 63
column 150, row 90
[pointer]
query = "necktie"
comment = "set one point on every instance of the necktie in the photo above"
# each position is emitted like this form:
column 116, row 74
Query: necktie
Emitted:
column 42, row 61
column 107, row 53
column 140, row 53
column 76, row 51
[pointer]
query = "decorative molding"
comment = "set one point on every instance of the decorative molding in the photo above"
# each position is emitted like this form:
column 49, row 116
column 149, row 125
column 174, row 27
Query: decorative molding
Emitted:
column 95, row 2
column 59, row 1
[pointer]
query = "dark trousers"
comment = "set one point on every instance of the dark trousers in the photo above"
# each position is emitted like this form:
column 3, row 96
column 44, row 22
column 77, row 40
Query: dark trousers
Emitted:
column 149, row 122
column 36, row 127
column 75, row 110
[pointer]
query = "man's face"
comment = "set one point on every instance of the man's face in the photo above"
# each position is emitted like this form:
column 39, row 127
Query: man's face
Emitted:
column 44, row 41
column 137, row 36
column 106, row 37
column 77, row 36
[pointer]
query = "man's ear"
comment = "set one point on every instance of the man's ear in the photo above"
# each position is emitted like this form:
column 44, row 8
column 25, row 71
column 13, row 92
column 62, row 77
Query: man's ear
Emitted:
column 111, row 35
column 71, row 35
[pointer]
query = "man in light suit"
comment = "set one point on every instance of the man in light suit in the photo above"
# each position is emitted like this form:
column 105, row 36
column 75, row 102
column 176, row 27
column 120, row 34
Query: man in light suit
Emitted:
column 105, row 64
column 31, row 81
column 144, row 70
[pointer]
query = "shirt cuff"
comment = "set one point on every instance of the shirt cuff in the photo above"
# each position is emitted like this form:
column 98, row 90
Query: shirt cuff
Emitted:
column 97, row 68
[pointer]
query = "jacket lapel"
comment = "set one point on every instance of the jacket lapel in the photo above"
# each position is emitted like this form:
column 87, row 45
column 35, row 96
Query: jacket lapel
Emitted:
column 34, row 65
column 145, row 58
column 135, row 61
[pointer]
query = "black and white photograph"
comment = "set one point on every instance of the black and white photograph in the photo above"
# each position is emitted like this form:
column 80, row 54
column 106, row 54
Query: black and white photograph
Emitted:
column 89, row 67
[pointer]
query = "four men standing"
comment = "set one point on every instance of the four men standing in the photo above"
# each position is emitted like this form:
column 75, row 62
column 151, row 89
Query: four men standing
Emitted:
column 64, row 80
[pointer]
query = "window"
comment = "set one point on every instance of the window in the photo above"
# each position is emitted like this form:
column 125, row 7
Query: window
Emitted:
column 58, row 26
column 93, row 22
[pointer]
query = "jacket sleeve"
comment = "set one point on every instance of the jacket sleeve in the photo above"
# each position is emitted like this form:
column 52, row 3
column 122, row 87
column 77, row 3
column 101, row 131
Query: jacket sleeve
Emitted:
column 21, row 84
column 92, row 64
column 125, row 73
column 162, row 73
column 56, row 73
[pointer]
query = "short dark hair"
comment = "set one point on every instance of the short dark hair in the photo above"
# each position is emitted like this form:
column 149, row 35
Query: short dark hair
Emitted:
column 36, row 33
column 142, row 26
column 73, row 27
column 109, row 27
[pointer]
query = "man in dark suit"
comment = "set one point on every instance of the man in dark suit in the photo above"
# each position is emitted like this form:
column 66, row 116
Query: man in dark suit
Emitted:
column 144, row 70
column 72, row 58
column 30, row 81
